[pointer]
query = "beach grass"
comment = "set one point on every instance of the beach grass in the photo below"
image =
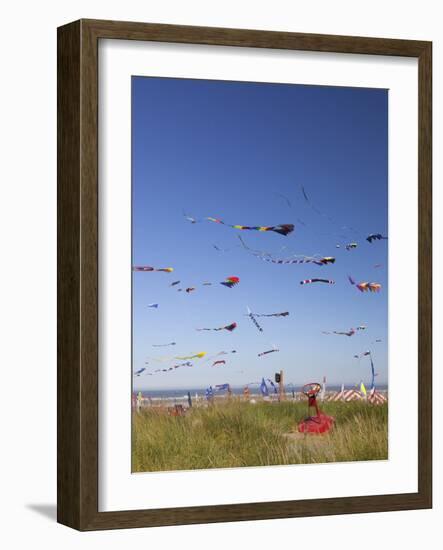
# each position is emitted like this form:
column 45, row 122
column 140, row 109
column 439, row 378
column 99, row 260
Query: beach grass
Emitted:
column 233, row 434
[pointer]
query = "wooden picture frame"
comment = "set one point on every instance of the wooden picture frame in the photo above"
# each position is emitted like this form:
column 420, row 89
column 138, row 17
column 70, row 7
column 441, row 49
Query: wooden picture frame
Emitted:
column 78, row 274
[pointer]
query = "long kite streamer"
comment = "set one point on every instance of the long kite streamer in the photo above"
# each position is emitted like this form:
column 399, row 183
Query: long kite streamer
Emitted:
column 138, row 372
column 229, row 282
column 296, row 259
column 149, row 268
column 163, row 345
column 282, row 314
column 157, row 371
column 267, row 352
column 198, row 355
column 350, row 332
column 282, row 229
column 254, row 320
column 229, row 328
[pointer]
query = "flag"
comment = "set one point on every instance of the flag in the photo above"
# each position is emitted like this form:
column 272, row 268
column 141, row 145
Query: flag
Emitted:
column 273, row 385
column 209, row 393
column 264, row 387
column 222, row 387
column 363, row 389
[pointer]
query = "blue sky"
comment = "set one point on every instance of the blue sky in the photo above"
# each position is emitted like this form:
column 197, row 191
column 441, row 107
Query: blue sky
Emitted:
column 230, row 150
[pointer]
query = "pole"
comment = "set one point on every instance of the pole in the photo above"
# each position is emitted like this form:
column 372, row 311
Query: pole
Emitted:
column 281, row 388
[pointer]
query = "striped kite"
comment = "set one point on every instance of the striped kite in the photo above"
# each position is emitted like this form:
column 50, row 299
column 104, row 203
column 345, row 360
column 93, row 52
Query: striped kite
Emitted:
column 309, row 281
column 282, row 229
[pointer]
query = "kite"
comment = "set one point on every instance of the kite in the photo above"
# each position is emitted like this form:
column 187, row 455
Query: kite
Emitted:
column 377, row 265
column 365, row 286
column 282, row 314
column 373, row 373
column 223, row 387
column 230, row 327
column 219, row 354
column 375, row 237
column 296, row 259
column 138, row 372
column 149, row 268
column 198, row 355
column 302, row 260
column 220, row 362
column 220, row 249
column 153, row 305
column 187, row 364
column 174, row 283
column 253, row 319
column 309, row 281
column 350, row 246
column 230, row 281
column 163, row 345
column 267, row 352
column 350, row 332
column 282, row 229
column 190, row 218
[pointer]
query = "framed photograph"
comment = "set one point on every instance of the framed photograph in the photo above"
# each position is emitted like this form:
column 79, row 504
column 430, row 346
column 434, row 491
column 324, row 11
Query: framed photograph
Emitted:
column 244, row 275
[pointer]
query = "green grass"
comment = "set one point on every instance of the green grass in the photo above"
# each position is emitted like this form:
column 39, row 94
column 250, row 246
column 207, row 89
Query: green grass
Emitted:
column 237, row 434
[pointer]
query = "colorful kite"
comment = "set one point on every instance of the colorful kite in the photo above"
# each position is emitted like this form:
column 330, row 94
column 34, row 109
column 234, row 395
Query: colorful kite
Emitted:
column 365, row 286
column 375, row 237
column 149, row 268
column 350, row 246
column 229, row 328
column 220, row 362
column 309, row 281
column 198, row 355
column 282, row 229
column 230, row 281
